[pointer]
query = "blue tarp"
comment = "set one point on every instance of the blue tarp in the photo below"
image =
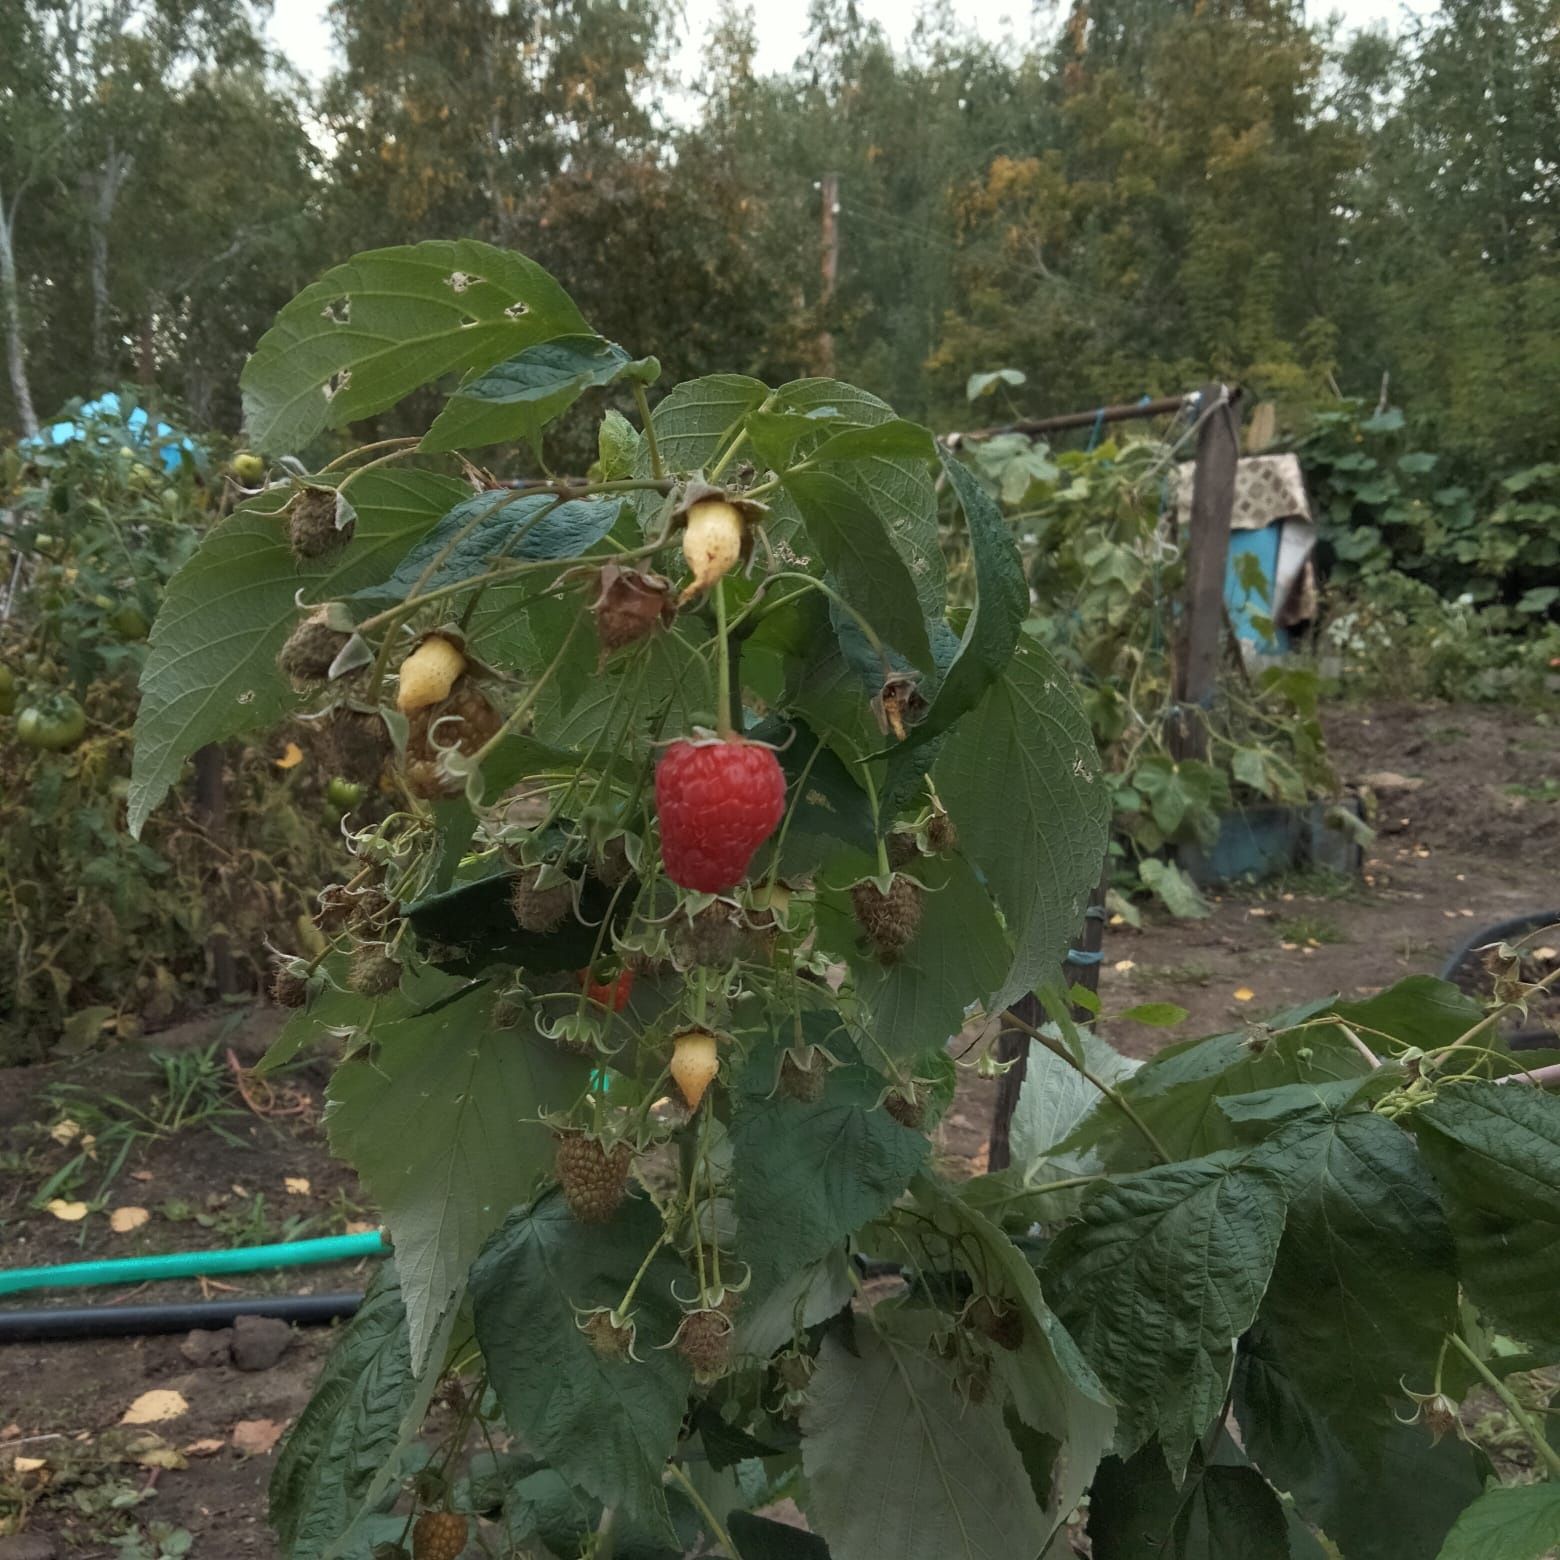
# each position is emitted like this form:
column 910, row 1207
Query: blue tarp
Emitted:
column 168, row 444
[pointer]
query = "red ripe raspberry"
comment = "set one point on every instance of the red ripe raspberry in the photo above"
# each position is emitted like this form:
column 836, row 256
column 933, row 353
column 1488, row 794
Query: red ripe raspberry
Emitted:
column 613, row 993
column 718, row 801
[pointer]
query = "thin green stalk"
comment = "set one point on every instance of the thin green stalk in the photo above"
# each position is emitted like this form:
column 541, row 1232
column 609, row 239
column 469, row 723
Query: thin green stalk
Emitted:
column 1547, row 1453
column 642, row 401
column 723, row 726
column 523, row 708
column 644, row 1267
column 365, row 449
column 722, row 1537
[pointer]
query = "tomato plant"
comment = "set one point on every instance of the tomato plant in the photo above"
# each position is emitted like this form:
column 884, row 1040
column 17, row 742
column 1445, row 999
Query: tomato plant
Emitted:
column 1106, row 578
column 100, row 930
column 748, row 755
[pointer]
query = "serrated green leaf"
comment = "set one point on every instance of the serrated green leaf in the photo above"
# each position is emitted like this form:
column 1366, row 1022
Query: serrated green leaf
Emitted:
column 496, row 525
column 808, row 1175
column 894, row 439
column 517, row 398
column 1055, row 1098
column 1365, row 1289
column 855, row 547
column 1179, row 894
column 1020, row 778
column 807, row 1295
column 1378, row 1488
column 1219, row 1513
column 607, row 1425
column 1162, row 1274
column 212, row 670
column 342, row 1450
column 387, row 321
column 1517, row 1522
column 699, row 417
column 1001, row 604
column 1177, row 1093
column 440, row 1121
column 899, row 1463
column 958, row 956
column 1494, row 1150
column 617, row 447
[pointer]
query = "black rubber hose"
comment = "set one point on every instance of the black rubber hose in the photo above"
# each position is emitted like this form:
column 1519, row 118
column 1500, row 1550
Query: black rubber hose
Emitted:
column 121, row 1321
column 1462, row 963
column 1501, row 931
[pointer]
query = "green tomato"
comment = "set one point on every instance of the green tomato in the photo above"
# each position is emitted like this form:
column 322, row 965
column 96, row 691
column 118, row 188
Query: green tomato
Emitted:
column 248, row 467
column 344, row 794
column 57, row 724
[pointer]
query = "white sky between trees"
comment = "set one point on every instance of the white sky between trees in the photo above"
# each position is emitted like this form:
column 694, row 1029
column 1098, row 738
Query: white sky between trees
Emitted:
column 300, row 29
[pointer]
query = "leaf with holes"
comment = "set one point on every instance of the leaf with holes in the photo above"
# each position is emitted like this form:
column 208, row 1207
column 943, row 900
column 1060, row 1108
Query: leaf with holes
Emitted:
column 389, row 320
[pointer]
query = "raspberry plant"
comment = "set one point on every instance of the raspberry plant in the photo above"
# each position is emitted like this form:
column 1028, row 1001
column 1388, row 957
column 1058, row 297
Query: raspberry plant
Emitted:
column 698, row 824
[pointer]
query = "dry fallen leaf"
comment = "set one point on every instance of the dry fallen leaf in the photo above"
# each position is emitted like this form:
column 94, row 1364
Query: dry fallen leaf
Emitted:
column 1546, row 955
column 291, row 757
column 70, row 1212
column 1124, row 966
column 66, row 1131
column 360, row 1226
column 140, row 1175
column 239, row 1191
column 151, row 1408
column 255, row 1437
column 122, row 1220
column 208, row 1447
column 1245, row 993
column 297, row 1185
column 10, row 1432
column 28, row 1464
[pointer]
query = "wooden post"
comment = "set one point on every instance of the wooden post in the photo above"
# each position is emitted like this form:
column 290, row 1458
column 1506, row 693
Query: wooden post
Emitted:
column 831, row 268
column 1207, row 545
column 1014, row 1047
column 211, row 804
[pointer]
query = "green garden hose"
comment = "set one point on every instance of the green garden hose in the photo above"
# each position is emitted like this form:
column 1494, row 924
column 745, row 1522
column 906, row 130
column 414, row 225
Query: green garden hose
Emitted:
column 195, row 1264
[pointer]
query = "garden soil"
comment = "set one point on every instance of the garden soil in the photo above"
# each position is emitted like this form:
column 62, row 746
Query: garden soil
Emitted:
column 1467, row 804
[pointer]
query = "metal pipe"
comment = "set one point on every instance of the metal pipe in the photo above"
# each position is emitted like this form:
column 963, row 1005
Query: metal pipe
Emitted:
column 1032, row 427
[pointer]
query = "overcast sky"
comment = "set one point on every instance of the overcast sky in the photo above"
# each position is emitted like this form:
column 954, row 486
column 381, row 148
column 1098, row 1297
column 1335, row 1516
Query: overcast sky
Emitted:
column 299, row 28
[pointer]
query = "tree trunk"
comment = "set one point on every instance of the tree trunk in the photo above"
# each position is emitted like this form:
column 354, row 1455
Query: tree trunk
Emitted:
column 109, row 181
column 11, row 305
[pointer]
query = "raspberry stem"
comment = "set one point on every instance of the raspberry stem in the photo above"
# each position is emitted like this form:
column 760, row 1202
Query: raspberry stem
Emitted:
column 723, row 726
column 642, row 401
column 644, row 1267
column 523, row 708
